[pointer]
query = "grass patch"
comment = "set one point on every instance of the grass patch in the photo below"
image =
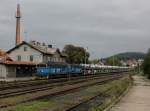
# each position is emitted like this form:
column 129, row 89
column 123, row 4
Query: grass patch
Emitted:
column 34, row 106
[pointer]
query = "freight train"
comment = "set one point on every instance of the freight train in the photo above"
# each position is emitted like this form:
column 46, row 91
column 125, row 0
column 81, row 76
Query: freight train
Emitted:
column 55, row 69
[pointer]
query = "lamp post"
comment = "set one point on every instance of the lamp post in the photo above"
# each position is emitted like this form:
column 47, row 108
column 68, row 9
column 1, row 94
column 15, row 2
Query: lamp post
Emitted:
column 139, row 70
column 85, row 61
column 113, row 60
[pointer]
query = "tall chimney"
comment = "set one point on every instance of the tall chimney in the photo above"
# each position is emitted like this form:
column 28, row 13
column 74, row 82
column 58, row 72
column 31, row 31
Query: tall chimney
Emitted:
column 18, row 16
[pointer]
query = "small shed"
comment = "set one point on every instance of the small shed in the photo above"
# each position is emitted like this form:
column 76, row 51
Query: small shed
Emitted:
column 13, row 69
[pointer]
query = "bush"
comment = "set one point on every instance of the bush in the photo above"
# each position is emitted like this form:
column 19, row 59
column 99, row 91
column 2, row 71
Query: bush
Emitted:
column 146, row 64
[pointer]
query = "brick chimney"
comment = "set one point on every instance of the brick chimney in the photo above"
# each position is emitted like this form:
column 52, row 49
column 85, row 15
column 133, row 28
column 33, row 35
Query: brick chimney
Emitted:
column 18, row 16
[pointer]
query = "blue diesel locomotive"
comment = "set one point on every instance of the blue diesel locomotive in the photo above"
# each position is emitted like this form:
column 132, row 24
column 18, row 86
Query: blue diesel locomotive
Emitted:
column 58, row 69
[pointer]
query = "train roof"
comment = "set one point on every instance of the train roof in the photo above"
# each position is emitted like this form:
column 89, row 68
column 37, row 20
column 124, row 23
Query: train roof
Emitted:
column 103, row 66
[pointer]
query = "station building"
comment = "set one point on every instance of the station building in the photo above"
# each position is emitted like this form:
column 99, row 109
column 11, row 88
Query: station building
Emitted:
column 22, row 60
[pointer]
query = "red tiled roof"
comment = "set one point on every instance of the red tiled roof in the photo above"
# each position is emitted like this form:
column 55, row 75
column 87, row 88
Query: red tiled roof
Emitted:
column 17, row 63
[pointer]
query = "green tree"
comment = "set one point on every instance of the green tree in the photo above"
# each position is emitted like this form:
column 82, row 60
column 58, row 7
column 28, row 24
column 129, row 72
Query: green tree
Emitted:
column 113, row 61
column 76, row 54
column 146, row 64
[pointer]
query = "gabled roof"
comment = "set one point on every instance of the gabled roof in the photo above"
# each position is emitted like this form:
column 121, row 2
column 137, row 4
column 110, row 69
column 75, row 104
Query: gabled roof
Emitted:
column 9, row 51
column 49, row 51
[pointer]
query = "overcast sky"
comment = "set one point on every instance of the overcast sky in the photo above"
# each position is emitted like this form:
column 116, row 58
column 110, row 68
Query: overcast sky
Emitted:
column 106, row 27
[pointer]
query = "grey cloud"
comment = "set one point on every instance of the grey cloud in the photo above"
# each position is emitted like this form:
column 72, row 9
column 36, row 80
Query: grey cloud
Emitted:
column 106, row 27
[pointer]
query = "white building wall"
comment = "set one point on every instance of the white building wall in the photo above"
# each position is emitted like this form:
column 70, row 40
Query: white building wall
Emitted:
column 2, row 71
column 25, row 55
column 53, row 58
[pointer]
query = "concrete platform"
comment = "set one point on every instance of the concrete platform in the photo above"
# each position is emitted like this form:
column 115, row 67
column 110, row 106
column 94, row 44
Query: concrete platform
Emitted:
column 137, row 99
column 17, row 79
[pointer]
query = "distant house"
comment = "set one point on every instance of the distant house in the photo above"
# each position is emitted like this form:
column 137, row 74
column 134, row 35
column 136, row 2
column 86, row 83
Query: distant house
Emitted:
column 36, row 52
column 140, row 61
column 123, row 63
column 132, row 62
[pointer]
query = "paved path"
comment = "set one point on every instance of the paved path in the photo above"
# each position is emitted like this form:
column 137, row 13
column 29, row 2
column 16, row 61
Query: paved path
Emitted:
column 137, row 99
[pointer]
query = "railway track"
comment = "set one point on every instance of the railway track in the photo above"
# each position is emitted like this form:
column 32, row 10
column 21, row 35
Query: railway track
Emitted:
column 16, row 84
column 29, row 89
column 61, row 89
column 83, row 105
column 34, row 88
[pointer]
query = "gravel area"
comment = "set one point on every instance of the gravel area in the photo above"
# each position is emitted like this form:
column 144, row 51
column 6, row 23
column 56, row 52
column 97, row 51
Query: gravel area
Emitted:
column 137, row 99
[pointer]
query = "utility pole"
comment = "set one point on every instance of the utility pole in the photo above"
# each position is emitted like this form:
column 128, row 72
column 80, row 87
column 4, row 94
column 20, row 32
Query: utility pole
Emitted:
column 85, row 61
column 139, row 68
column 113, row 60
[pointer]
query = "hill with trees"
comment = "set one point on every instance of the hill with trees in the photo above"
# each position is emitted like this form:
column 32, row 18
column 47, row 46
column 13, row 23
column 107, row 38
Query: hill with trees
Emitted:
column 128, row 55
column 115, row 59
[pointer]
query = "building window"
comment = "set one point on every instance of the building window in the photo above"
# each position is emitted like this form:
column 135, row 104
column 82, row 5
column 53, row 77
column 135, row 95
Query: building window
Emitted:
column 49, row 58
column 25, row 48
column 61, row 60
column 31, row 57
column 52, row 59
column 19, row 58
column 56, row 60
